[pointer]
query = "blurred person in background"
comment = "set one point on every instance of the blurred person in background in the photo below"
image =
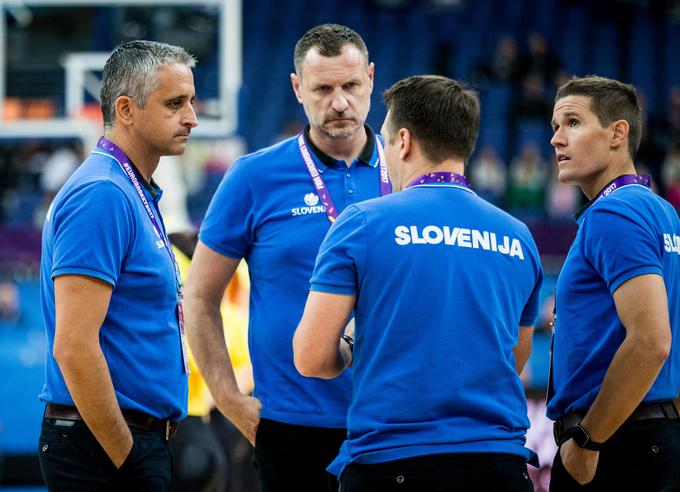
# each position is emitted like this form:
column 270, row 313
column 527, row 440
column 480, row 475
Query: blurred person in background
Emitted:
column 670, row 172
column 207, row 456
column 9, row 303
column 199, row 462
column 615, row 358
column 503, row 67
column 561, row 200
column 489, row 176
column 527, row 182
column 116, row 364
column 444, row 306
column 273, row 209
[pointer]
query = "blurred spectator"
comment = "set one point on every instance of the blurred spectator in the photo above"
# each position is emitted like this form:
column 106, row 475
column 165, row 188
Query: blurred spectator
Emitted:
column 670, row 172
column 24, row 195
column 653, row 139
column 504, row 66
column 9, row 303
column 57, row 168
column 203, row 165
column 198, row 459
column 563, row 199
column 210, row 454
column 539, row 60
column 489, row 176
column 533, row 101
column 170, row 177
column 526, row 188
column 239, row 452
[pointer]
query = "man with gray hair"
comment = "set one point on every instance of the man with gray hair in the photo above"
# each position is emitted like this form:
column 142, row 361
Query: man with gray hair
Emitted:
column 116, row 366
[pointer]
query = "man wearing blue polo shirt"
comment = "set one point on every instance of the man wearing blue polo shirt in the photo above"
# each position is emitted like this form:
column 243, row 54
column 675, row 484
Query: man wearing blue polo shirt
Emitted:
column 444, row 288
column 273, row 208
column 616, row 355
column 116, row 378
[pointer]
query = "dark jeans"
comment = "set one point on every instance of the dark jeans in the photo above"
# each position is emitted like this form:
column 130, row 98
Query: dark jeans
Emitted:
column 294, row 457
column 71, row 459
column 641, row 456
column 460, row 472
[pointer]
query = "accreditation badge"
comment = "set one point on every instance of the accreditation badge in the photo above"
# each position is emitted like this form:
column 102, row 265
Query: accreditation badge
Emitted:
column 183, row 337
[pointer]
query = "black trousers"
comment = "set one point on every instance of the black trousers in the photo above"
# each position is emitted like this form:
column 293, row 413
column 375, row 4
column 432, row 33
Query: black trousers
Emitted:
column 642, row 456
column 71, row 459
column 294, row 457
column 459, row 472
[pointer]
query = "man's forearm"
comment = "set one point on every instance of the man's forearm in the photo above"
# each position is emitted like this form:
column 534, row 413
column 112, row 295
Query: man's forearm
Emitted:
column 335, row 366
column 523, row 349
column 631, row 374
column 89, row 382
column 208, row 346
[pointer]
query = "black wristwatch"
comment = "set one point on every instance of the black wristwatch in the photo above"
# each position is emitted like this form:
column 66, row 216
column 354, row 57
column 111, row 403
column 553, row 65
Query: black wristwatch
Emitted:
column 583, row 440
column 350, row 342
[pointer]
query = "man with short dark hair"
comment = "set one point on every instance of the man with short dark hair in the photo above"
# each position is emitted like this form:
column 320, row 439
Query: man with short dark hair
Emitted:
column 615, row 359
column 273, row 209
column 116, row 375
column 444, row 288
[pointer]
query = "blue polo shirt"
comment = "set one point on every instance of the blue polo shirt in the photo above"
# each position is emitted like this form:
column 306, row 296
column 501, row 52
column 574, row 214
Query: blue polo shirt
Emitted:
column 628, row 233
column 97, row 226
column 266, row 211
column 443, row 281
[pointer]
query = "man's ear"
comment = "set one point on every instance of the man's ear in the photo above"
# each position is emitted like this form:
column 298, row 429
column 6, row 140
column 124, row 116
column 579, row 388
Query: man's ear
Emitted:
column 295, row 82
column 405, row 143
column 620, row 129
column 124, row 110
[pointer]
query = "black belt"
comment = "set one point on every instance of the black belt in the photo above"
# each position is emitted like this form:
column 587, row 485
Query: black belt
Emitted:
column 139, row 420
column 644, row 411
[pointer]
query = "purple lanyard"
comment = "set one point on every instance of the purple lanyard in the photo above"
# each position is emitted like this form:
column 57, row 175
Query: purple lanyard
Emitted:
column 317, row 180
column 441, row 178
column 119, row 156
column 626, row 179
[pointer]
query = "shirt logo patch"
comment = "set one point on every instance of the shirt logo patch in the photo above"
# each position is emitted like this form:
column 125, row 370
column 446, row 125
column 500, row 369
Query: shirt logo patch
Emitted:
column 159, row 243
column 313, row 207
column 311, row 199
column 671, row 243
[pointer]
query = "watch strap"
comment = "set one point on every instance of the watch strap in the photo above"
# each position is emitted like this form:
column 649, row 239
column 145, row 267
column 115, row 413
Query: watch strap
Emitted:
column 581, row 437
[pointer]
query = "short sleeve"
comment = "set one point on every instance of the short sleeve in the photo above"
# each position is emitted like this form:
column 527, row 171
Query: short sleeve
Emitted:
column 228, row 224
column 530, row 311
column 620, row 246
column 93, row 230
column 342, row 250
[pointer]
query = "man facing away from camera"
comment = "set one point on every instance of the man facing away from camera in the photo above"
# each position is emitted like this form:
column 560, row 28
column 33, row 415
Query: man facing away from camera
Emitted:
column 444, row 288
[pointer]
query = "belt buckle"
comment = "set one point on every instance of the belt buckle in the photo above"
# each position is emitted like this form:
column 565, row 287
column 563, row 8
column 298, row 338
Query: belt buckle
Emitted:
column 558, row 429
